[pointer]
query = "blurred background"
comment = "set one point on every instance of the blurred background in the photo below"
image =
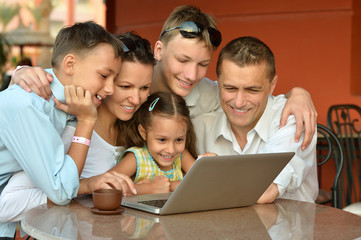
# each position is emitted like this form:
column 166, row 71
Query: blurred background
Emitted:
column 317, row 43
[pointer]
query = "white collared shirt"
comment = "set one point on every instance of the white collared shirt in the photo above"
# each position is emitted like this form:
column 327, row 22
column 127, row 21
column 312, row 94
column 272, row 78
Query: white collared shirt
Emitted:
column 298, row 180
column 204, row 98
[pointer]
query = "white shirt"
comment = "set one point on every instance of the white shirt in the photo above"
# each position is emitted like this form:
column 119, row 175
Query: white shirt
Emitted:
column 20, row 194
column 101, row 157
column 204, row 98
column 298, row 180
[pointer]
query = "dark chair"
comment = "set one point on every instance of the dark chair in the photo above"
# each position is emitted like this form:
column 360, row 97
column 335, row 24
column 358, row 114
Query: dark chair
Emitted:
column 329, row 147
column 345, row 121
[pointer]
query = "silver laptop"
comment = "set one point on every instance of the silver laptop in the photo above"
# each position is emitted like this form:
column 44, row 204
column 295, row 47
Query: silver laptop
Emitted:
column 216, row 183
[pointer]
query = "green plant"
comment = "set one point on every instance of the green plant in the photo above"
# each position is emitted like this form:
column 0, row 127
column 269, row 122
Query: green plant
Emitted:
column 4, row 51
column 7, row 13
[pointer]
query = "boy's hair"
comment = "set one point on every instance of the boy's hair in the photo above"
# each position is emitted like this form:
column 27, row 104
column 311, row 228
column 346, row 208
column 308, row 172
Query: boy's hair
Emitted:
column 245, row 51
column 138, row 48
column 80, row 39
column 169, row 105
column 188, row 13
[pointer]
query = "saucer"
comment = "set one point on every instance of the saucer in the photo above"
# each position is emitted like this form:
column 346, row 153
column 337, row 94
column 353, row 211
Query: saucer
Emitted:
column 101, row 212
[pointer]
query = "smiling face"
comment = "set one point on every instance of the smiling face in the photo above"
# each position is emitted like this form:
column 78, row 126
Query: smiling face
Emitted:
column 95, row 72
column 182, row 64
column 131, row 89
column 165, row 139
column 244, row 92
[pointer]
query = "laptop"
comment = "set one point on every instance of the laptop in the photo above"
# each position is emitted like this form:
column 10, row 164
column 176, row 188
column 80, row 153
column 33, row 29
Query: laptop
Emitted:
column 216, row 182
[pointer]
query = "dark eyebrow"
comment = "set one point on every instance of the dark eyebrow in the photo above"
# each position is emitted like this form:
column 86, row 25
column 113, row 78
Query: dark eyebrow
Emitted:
column 227, row 85
column 254, row 87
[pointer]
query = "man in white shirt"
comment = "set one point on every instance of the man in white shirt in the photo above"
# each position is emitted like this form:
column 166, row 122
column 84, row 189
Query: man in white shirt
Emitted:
column 250, row 121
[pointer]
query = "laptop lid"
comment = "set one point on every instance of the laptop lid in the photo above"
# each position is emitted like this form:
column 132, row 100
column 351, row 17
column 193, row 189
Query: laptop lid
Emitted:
column 218, row 182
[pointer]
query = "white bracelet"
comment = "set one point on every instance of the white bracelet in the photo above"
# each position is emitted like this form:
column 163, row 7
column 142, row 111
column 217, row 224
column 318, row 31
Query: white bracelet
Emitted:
column 81, row 140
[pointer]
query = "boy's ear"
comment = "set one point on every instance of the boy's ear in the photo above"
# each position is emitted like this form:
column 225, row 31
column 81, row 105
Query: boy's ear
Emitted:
column 158, row 48
column 142, row 132
column 69, row 63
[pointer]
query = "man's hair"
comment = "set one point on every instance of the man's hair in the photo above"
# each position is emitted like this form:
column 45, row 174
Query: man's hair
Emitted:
column 80, row 39
column 188, row 13
column 245, row 51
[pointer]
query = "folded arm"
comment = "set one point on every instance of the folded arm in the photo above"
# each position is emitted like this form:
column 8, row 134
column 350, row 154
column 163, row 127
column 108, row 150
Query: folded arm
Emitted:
column 297, row 170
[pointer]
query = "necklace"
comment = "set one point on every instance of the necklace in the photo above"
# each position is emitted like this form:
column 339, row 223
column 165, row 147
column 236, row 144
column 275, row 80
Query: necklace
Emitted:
column 108, row 136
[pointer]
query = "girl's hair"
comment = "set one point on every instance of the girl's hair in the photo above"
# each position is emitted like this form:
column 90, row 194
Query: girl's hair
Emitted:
column 168, row 105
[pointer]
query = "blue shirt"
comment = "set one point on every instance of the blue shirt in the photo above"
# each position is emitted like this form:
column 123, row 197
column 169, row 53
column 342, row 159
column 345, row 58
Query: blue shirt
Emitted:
column 30, row 140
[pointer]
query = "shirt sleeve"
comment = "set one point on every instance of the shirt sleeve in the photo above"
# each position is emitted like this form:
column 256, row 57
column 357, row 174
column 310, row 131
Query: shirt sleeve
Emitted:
column 282, row 140
column 35, row 143
column 19, row 196
column 67, row 137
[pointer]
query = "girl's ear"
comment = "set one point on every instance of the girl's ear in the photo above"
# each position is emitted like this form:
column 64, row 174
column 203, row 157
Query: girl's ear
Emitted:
column 158, row 48
column 69, row 64
column 142, row 132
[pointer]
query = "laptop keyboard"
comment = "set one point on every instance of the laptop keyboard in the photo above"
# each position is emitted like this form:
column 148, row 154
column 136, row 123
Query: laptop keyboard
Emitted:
column 155, row 203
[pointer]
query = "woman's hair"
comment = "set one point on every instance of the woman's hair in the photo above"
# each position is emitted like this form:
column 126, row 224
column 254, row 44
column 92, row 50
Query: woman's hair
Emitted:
column 168, row 105
column 137, row 49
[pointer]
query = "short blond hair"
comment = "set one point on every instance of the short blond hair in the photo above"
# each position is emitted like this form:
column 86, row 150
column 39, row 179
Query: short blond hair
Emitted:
column 188, row 13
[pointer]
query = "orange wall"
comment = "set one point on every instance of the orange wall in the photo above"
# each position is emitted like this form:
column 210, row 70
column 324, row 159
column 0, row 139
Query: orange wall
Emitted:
column 317, row 43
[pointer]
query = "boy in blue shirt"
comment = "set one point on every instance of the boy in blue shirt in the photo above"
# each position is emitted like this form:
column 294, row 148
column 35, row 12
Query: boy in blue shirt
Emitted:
column 86, row 60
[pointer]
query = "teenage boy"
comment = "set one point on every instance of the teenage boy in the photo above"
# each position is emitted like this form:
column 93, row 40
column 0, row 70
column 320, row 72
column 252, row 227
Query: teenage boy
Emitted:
column 250, row 120
column 86, row 60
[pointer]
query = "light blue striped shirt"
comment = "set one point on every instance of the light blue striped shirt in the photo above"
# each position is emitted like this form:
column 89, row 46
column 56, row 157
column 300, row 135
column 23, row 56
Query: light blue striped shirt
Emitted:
column 30, row 140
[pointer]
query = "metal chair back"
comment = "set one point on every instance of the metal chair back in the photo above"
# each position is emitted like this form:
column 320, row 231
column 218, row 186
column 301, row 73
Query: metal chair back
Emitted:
column 329, row 147
column 345, row 121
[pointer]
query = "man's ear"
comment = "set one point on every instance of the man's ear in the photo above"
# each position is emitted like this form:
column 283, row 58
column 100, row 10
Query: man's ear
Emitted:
column 69, row 64
column 273, row 84
column 158, row 48
column 142, row 132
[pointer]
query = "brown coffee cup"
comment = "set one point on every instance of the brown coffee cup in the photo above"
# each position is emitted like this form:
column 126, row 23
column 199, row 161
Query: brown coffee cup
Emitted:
column 107, row 199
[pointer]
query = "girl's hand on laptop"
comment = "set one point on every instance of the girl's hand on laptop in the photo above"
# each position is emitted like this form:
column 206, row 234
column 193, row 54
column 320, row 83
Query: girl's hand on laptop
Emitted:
column 33, row 79
column 159, row 184
column 78, row 103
